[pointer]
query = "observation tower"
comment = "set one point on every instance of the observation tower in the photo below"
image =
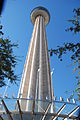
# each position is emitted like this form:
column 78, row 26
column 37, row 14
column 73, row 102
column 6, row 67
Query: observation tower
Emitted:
column 36, row 78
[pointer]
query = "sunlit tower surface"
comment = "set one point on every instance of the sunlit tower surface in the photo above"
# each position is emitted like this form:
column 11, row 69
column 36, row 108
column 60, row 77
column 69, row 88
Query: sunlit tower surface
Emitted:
column 36, row 78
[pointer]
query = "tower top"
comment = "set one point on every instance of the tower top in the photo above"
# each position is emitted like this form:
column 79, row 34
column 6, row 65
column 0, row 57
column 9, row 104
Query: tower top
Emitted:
column 42, row 12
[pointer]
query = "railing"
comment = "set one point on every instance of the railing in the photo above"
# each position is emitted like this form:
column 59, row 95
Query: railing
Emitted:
column 41, row 108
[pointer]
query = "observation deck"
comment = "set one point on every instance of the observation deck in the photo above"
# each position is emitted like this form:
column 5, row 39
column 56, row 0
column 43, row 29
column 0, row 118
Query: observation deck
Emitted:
column 40, row 11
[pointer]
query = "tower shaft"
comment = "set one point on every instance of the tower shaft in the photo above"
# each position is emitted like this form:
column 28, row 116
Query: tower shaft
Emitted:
column 36, row 79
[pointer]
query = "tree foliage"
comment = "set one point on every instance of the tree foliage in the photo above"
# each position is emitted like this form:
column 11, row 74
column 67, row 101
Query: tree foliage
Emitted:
column 75, row 21
column 73, row 48
column 7, row 60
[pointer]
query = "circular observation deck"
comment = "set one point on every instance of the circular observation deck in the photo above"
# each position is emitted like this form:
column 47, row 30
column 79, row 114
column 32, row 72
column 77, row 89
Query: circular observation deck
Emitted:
column 40, row 11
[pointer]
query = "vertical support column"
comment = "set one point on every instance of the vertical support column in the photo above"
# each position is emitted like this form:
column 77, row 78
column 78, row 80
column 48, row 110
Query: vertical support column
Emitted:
column 40, row 73
column 42, row 61
column 34, row 68
column 44, row 76
column 48, row 69
column 24, row 86
column 44, row 88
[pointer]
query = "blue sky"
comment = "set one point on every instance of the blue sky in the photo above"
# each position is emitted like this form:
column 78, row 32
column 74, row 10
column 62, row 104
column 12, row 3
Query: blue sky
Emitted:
column 18, row 28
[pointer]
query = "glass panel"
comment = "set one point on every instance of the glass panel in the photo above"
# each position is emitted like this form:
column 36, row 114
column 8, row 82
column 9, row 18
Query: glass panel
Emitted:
column 11, row 104
column 4, row 116
column 39, row 107
column 57, row 106
column 26, row 105
column 68, row 109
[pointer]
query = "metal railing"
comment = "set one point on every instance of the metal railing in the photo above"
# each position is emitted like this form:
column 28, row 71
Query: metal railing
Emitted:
column 14, row 108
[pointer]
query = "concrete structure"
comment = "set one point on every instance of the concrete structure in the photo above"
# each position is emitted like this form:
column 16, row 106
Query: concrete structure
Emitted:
column 36, row 79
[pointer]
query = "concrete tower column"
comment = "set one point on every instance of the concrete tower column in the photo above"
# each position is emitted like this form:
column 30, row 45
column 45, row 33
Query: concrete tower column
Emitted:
column 36, row 78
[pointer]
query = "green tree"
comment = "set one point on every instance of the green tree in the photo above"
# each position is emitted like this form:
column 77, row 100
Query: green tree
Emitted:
column 75, row 48
column 7, row 60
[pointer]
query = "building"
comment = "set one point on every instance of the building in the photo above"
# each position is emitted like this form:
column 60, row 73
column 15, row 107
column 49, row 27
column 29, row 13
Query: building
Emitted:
column 36, row 79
